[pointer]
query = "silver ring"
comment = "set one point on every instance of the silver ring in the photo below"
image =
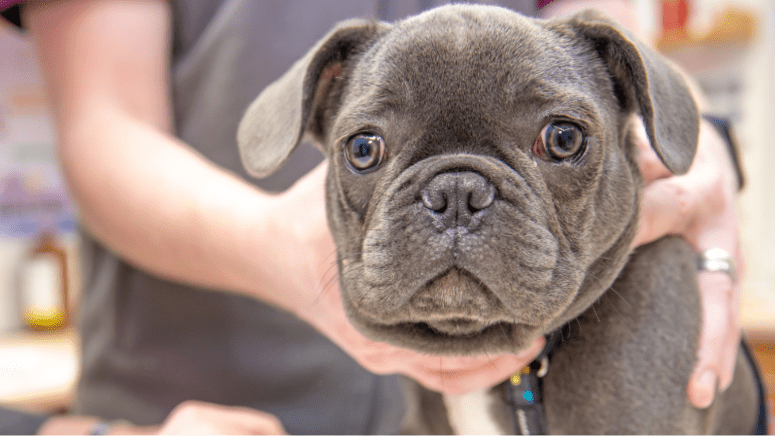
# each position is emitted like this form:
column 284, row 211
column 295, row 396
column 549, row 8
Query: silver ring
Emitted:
column 717, row 259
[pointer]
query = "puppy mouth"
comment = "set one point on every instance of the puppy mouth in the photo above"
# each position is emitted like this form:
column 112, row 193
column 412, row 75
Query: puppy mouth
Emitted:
column 455, row 313
column 454, row 327
column 461, row 329
column 459, row 337
column 456, row 303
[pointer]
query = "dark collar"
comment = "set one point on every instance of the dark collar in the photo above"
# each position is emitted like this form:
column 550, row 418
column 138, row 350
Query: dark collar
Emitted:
column 523, row 391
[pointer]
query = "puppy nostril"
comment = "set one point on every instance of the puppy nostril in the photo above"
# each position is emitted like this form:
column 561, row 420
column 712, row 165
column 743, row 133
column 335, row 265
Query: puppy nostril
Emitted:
column 481, row 198
column 435, row 200
column 470, row 204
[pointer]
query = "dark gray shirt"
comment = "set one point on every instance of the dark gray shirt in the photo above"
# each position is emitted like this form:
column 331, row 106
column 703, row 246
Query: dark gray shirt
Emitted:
column 148, row 343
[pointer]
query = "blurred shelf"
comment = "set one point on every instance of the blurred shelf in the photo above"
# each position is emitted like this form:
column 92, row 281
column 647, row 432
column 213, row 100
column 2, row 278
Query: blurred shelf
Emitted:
column 39, row 370
column 757, row 311
column 732, row 27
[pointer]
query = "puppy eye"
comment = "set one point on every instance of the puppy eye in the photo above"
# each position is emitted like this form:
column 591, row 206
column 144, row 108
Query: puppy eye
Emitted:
column 364, row 152
column 559, row 141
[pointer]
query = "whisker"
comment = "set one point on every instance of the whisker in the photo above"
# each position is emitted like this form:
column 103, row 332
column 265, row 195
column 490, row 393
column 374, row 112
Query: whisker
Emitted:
column 595, row 311
column 492, row 364
column 329, row 284
column 505, row 333
column 330, row 268
column 620, row 295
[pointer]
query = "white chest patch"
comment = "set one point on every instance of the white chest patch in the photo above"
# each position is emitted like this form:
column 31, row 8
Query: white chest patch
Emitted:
column 471, row 413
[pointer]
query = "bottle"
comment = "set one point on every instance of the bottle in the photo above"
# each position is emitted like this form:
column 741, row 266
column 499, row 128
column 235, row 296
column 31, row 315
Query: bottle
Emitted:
column 43, row 285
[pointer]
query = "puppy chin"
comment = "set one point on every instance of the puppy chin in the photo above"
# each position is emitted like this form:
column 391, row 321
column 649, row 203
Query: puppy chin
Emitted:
column 444, row 326
column 451, row 337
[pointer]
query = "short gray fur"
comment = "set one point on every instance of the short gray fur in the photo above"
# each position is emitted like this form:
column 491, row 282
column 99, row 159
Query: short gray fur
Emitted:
column 460, row 95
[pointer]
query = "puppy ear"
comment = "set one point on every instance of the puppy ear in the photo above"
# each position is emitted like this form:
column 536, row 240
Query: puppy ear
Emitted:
column 647, row 82
column 276, row 121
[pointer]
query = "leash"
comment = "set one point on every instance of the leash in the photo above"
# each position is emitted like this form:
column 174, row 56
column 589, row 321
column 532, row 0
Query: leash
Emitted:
column 524, row 395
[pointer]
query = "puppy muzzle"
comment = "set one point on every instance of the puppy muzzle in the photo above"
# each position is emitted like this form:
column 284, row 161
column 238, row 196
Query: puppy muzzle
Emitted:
column 439, row 257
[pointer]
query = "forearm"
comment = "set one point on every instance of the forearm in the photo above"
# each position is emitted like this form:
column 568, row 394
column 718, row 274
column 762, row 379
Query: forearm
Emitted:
column 149, row 197
column 162, row 206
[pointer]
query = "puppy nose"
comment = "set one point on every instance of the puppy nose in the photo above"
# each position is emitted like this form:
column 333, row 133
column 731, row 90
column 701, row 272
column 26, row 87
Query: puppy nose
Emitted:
column 456, row 197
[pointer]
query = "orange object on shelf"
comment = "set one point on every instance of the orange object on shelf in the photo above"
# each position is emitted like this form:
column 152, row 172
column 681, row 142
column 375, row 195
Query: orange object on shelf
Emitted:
column 732, row 27
column 675, row 15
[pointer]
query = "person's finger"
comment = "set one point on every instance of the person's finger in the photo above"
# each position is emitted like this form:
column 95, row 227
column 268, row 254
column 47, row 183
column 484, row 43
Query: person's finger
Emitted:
column 730, row 350
column 443, row 374
column 686, row 205
column 651, row 167
column 487, row 374
column 197, row 417
column 731, row 347
column 256, row 421
column 719, row 339
column 733, row 343
column 316, row 176
column 720, row 293
column 667, row 207
column 471, row 363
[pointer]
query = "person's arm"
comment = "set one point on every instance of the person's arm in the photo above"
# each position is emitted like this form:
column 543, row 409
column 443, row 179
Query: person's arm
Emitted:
column 163, row 207
column 700, row 207
column 141, row 191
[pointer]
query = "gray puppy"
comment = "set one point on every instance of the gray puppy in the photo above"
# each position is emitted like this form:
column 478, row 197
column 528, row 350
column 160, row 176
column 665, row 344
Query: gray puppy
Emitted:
column 483, row 191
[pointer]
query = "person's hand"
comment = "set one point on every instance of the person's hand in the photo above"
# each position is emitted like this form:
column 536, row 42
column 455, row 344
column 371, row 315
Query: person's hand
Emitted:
column 700, row 207
column 196, row 417
column 188, row 417
column 301, row 211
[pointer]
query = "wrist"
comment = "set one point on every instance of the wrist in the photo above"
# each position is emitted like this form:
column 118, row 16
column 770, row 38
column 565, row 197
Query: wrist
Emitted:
column 304, row 254
column 274, row 255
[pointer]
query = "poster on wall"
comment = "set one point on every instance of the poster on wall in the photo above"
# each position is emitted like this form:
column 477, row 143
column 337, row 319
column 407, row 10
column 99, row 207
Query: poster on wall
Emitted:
column 33, row 195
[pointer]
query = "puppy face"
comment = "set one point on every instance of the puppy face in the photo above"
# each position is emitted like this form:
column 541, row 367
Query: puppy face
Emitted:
column 481, row 186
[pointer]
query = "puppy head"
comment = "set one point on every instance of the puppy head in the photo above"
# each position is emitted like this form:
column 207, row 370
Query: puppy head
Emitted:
column 482, row 187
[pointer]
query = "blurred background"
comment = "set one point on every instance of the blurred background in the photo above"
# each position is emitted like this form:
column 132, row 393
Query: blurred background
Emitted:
column 728, row 46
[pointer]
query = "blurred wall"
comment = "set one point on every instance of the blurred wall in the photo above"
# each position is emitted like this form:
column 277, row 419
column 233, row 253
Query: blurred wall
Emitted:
column 757, row 206
column 731, row 54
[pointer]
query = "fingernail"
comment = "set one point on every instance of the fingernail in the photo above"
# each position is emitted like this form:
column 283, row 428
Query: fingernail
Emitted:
column 705, row 388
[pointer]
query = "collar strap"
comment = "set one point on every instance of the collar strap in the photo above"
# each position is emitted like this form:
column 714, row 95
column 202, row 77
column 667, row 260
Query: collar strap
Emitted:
column 523, row 392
